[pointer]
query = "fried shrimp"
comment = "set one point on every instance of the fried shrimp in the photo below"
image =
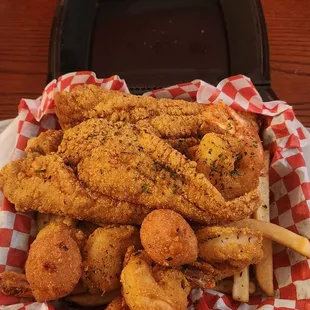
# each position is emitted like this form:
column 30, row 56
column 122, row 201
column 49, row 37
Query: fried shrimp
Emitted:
column 238, row 247
column 152, row 287
column 232, row 164
column 54, row 264
column 16, row 284
column 104, row 254
column 168, row 239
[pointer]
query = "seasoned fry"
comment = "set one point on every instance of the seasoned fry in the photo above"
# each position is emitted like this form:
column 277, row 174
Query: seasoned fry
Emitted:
column 264, row 268
column 278, row 234
column 263, row 212
column 240, row 290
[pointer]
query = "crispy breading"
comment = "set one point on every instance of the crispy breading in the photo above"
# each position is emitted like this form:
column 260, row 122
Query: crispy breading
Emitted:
column 239, row 247
column 121, row 172
column 167, row 118
column 168, row 239
column 47, row 185
column 129, row 163
column 54, row 264
column 149, row 286
column 47, row 142
column 103, row 256
column 232, row 164
column 183, row 144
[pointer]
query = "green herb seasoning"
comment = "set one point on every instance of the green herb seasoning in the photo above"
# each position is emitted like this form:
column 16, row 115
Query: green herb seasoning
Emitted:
column 145, row 189
column 40, row 170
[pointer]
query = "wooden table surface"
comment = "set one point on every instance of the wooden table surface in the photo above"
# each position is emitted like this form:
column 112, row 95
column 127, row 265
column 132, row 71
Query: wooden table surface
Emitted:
column 25, row 28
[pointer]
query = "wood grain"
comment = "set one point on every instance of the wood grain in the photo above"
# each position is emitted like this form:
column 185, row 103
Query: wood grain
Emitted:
column 288, row 25
column 24, row 33
column 25, row 29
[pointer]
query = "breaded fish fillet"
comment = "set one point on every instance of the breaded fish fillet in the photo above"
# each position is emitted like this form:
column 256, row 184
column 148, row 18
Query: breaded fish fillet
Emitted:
column 168, row 118
column 47, row 185
column 117, row 172
column 129, row 163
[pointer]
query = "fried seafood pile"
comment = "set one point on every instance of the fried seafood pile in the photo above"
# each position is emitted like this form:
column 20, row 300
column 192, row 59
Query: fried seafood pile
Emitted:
column 91, row 265
column 116, row 164
column 169, row 167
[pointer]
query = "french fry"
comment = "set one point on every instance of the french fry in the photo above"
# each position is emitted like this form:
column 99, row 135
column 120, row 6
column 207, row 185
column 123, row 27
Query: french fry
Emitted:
column 278, row 234
column 225, row 286
column 241, row 282
column 264, row 269
column 240, row 289
column 88, row 300
column 263, row 212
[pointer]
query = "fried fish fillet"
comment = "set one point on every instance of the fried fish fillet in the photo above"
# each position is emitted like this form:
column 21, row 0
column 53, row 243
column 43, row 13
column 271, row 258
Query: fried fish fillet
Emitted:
column 168, row 118
column 118, row 173
column 129, row 163
column 47, row 185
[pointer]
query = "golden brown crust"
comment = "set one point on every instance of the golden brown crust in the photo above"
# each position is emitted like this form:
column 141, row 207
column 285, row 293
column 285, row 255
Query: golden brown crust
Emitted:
column 47, row 142
column 237, row 246
column 148, row 286
column 232, row 163
column 183, row 144
column 168, row 239
column 167, row 118
column 134, row 165
column 91, row 101
column 122, row 173
column 103, row 257
column 47, row 185
column 54, row 264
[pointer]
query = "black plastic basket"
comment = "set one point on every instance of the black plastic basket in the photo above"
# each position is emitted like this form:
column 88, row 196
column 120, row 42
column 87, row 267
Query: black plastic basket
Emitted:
column 153, row 44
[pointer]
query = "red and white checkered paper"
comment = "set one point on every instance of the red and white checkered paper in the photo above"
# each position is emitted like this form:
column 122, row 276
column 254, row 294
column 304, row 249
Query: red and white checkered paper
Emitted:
column 284, row 136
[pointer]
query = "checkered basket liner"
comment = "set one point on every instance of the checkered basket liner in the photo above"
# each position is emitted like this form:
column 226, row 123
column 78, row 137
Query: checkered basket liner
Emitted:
column 283, row 135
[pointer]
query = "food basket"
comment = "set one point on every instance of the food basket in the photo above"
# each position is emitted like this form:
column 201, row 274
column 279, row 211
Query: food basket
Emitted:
column 283, row 135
